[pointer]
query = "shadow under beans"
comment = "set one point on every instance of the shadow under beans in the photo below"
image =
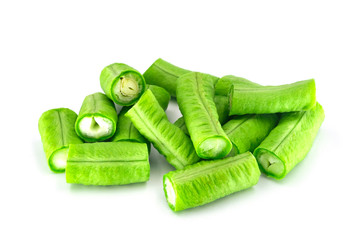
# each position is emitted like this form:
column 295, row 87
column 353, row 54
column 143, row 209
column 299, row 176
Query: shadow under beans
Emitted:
column 173, row 112
column 40, row 157
column 159, row 163
column 79, row 188
column 304, row 168
column 226, row 201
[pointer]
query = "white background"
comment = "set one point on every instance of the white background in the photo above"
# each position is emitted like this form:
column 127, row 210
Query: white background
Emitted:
column 51, row 55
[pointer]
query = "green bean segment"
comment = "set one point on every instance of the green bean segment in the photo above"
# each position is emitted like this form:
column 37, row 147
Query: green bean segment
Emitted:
column 195, row 96
column 56, row 127
column 181, row 125
column 162, row 96
column 225, row 83
column 164, row 74
column 289, row 142
column 122, row 84
column 152, row 122
column 222, row 106
column 207, row 181
column 108, row 163
column 248, row 131
column 297, row 96
column 126, row 131
column 97, row 118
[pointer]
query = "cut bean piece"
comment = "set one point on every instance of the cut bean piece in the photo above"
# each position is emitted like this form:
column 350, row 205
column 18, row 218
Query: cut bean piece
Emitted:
column 126, row 131
column 207, row 181
column 163, row 97
column 195, row 96
column 248, row 131
column 181, row 125
column 225, row 83
column 289, row 142
column 297, row 96
column 164, row 74
column 222, row 106
column 122, row 83
column 57, row 130
column 108, row 163
column 152, row 122
column 97, row 118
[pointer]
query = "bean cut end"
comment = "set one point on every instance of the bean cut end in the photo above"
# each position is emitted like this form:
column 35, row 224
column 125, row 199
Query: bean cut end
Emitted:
column 271, row 164
column 214, row 147
column 170, row 193
column 58, row 160
column 127, row 88
column 96, row 127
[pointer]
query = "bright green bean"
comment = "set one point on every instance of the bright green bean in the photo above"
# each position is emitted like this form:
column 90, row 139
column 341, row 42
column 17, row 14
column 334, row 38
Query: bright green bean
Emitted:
column 195, row 96
column 297, row 96
column 207, row 181
column 164, row 74
column 57, row 130
column 248, row 131
column 151, row 121
column 108, row 163
column 126, row 131
column 289, row 142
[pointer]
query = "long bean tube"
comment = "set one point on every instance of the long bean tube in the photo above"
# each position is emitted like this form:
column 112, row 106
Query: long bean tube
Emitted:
column 195, row 96
column 108, row 163
column 222, row 106
column 207, row 181
column 57, row 130
column 248, row 131
column 126, row 131
column 225, row 83
column 289, row 142
column 164, row 74
column 297, row 96
column 221, row 99
column 151, row 121
column 163, row 97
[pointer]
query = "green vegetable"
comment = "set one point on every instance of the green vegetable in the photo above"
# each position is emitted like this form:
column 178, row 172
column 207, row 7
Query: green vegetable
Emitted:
column 97, row 118
column 181, row 125
column 122, row 83
column 248, row 131
column 125, row 131
column 195, row 93
column 163, row 97
column 56, row 127
column 225, row 83
column 289, row 142
column 222, row 110
column 297, row 96
column 108, row 163
column 164, row 74
column 151, row 121
column 207, row 181
column 222, row 106
column 221, row 100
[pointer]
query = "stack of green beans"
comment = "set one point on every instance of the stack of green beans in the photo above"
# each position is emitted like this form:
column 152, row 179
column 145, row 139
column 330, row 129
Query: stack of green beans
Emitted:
column 231, row 130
